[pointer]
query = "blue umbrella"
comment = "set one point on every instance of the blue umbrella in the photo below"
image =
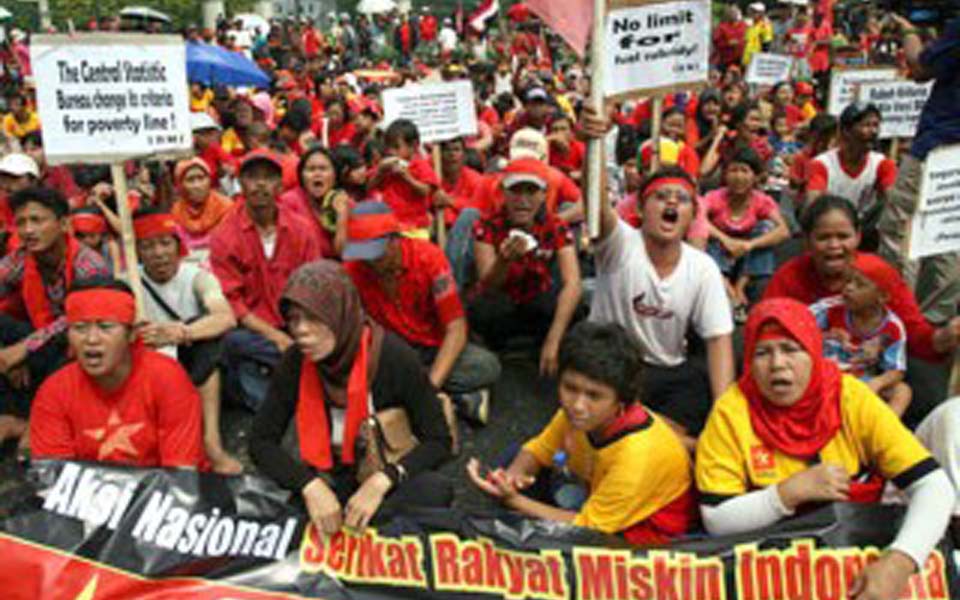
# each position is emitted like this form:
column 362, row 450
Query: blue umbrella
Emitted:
column 211, row 65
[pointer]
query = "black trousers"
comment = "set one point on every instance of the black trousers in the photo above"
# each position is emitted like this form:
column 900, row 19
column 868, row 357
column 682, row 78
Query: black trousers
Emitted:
column 40, row 364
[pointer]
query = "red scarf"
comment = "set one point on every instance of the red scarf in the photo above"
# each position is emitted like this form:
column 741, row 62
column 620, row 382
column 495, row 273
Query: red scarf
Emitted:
column 313, row 429
column 629, row 420
column 35, row 293
column 802, row 429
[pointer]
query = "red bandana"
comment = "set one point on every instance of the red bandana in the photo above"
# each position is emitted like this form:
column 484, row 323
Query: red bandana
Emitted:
column 313, row 428
column 101, row 304
column 802, row 429
column 35, row 293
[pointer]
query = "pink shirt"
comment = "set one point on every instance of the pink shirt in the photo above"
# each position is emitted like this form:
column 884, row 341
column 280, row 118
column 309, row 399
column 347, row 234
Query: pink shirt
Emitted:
column 759, row 208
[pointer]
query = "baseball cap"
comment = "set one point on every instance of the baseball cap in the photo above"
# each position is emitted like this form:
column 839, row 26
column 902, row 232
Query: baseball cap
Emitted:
column 537, row 94
column 803, row 88
column 525, row 170
column 856, row 111
column 200, row 121
column 19, row 164
column 758, row 7
column 528, row 143
column 368, row 231
column 261, row 155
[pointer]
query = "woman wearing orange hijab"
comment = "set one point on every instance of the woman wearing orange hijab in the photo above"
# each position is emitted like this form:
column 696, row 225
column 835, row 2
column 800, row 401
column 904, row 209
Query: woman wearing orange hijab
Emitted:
column 198, row 208
column 794, row 431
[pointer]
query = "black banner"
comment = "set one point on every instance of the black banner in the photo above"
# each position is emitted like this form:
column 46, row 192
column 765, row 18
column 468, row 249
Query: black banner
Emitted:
column 93, row 531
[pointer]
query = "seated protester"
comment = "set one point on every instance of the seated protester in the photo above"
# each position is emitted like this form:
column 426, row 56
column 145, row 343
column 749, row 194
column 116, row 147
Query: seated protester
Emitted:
column 794, row 430
column 119, row 402
column 406, row 285
column 566, row 153
column 186, row 316
column 319, row 200
column 90, row 229
column 198, row 208
column 528, row 277
column 659, row 288
column 58, row 177
column 34, row 280
column 831, row 229
column 853, row 170
column 351, row 172
column 341, row 363
column 405, row 178
column 637, row 471
column 673, row 149
column 744, row 130
column 864, row 337
column 252, row 252
column 745, row 226
column 17, row 172
column 705, row 124
column 206, row 143
column 458, row 182
column 22, row 119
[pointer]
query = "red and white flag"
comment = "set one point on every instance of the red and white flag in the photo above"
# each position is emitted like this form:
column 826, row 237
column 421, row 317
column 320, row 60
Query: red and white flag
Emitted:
column 486, row 11
column 571, row 19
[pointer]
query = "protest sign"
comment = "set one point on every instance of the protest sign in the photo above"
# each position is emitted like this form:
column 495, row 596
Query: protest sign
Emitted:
column 97, row 531
column 653, row 48
column 935, row 229
column 441, row 112
column 844, row 82
column 769, row 69
column 900, row 103
column 103, row 98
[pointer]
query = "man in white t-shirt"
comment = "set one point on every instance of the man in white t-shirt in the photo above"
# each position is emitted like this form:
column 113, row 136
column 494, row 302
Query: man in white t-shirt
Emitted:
column 659, row 288
column 853, row 170
column 186, row 316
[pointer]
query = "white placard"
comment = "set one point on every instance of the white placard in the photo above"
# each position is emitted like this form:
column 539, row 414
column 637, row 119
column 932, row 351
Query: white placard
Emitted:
column 900, row 104
column 104, row 98
column 769, row 69
column 656, row 46
column 441, row 112
column 844, row 82
column 936, row 226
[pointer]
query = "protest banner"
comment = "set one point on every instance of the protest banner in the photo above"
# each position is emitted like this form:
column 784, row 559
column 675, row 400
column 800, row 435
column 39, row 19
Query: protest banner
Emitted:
column 440, row 111
column 935, row 229
column 769, row 69
column 844, row 82
column 900, row 104
column 107, row 98
column 656, row 48
column 97, row 531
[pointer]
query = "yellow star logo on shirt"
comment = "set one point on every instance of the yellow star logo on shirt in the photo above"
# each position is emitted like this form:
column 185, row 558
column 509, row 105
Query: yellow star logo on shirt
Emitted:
column 89, row 590
column 115, row 436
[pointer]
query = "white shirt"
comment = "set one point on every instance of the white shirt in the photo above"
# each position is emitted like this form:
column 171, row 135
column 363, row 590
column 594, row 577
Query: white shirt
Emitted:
column 448, row 39
column 862, row 189
column 658, row 312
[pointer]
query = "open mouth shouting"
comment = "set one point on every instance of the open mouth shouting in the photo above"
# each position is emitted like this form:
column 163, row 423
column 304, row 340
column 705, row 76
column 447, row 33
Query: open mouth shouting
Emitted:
column 670, row 215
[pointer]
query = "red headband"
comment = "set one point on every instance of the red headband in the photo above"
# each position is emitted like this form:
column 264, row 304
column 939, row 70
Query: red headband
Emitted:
column 664, row 181
column 101, row 304
column 149, row 226
column 370, row 227
column 88, row 223
column 772, row 330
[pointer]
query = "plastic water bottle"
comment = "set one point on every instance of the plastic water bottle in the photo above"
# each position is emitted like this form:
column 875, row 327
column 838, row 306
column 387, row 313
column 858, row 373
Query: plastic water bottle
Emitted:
column 568, row 492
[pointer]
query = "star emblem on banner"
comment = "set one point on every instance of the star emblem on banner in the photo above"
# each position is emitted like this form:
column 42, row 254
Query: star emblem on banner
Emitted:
column 115, row 436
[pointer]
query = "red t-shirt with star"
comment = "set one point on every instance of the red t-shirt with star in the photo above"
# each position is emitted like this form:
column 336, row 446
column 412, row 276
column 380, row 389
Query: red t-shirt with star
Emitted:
column 152, row 420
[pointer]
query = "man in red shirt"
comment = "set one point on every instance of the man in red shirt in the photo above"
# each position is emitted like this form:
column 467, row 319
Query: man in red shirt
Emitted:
column 206, row 142
column 407, row 286
column 853, row 170
column 517, row 250
column 729, row 38
column 566, row 152
column 252, row 252
column 119, row 402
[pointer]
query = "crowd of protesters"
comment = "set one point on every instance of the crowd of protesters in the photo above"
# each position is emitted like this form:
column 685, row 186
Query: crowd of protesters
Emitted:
column 293, row 266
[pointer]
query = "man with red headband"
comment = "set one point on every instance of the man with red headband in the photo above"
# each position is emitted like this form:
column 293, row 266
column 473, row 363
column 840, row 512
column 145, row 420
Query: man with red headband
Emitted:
column 660, row 288
column 33, row 284
column 408, row 287
column 187, row 315
column 119, row 402
column 252, row 252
